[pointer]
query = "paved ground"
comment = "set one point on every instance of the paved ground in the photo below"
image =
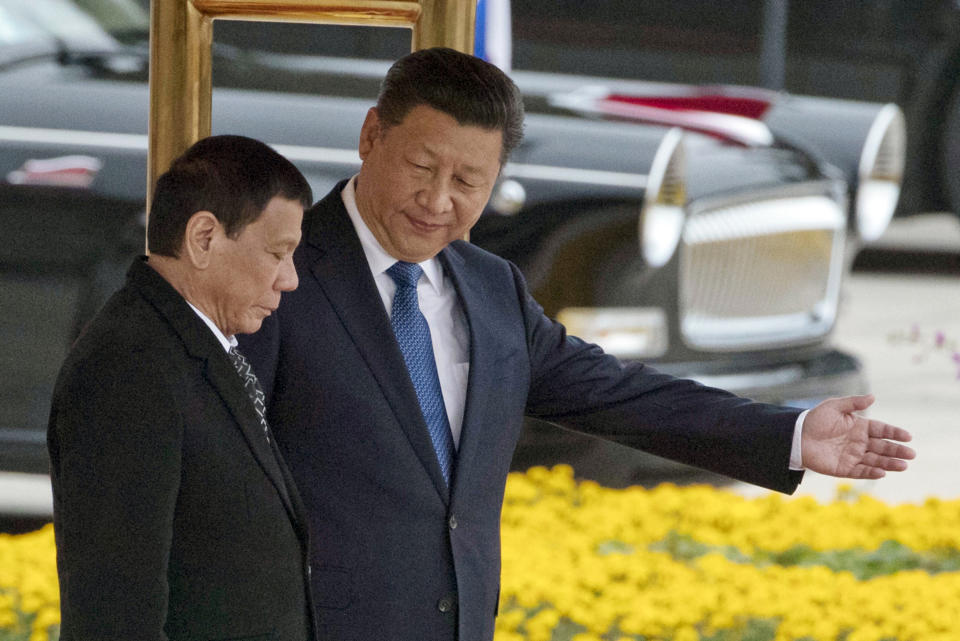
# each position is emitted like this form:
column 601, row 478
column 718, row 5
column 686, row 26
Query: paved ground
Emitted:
column 906, row 330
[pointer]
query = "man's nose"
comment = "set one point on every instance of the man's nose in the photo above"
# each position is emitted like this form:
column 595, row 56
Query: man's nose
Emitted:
column 287, row 280
column 436, row 196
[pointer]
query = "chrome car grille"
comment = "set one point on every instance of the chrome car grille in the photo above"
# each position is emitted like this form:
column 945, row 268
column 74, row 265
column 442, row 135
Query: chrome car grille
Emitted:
column 761, row 274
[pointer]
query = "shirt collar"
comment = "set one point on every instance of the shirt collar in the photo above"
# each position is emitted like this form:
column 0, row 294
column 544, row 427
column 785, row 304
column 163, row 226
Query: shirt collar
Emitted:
column 224, row 340
column 377, row 257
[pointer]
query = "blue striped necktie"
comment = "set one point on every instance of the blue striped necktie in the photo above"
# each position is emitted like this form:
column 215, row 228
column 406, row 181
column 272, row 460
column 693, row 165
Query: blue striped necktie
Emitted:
column 413, row 336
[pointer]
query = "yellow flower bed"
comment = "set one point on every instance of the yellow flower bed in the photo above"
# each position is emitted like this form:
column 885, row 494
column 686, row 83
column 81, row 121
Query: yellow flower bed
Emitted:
column 29, row 593
column 588, row 563
column 585, row 563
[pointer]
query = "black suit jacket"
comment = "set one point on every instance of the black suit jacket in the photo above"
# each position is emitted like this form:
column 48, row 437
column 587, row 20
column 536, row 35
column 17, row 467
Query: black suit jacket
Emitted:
column 174, row 517
column 396, row 554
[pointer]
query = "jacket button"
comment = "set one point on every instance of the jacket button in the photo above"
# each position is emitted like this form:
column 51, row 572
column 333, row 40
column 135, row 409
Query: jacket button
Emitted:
column 447, row 604
column 453, row 523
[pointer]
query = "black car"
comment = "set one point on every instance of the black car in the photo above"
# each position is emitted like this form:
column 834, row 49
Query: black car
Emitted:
column 902, row 51
column 714, row 248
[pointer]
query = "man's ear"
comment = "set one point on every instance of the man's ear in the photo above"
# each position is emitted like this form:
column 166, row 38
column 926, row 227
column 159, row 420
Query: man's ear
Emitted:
column 202, row 228
column 369, row 132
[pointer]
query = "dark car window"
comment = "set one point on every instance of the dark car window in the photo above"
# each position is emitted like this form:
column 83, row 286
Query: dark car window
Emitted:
column 69, row 252
column 36, row 329
column 375, row 43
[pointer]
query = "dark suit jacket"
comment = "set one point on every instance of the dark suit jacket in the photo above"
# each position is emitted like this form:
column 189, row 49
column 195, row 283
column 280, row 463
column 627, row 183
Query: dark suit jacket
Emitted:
column 174, row 517
column 396, row 555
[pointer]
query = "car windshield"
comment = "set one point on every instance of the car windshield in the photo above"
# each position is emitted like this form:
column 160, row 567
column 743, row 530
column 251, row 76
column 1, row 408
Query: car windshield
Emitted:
column 77, row 25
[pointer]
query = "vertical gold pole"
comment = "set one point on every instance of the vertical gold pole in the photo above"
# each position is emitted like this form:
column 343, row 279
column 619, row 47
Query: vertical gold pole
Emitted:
column 180, row 82
column 445, row 23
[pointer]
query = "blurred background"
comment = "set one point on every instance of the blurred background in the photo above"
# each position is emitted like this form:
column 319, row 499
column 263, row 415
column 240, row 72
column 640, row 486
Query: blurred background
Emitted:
column 588, row 207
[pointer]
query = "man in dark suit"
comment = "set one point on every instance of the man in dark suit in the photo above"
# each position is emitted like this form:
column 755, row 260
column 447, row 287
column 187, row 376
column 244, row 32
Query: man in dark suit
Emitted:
column 399, row 373
column 175, row 516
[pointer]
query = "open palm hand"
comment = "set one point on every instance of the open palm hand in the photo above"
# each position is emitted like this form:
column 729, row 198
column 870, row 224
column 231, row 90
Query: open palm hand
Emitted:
column 839, row 442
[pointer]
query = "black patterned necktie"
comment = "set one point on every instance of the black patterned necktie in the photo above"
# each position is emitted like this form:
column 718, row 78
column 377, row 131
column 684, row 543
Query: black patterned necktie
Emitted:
column 413, row 336
column 252, row 385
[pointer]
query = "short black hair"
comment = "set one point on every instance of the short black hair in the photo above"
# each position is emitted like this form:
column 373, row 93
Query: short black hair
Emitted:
column 233, row 177
column 471, row 90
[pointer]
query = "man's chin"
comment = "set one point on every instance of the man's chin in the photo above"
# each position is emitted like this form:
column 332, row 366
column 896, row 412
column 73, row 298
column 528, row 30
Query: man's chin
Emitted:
column 252, row 325
column 420, row 253
column 252, row 329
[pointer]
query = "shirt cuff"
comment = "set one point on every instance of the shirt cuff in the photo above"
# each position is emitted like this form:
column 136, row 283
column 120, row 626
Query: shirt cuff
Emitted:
column 796, row 451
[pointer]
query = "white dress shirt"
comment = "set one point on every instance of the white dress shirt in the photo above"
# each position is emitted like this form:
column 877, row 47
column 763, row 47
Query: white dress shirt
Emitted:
column 439, row 304
column 441, row 307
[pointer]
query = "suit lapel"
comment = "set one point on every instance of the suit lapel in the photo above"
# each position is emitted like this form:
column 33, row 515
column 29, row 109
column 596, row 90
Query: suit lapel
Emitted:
column 338, row 264
column 224, row 378
column 200, row 343
column 482, row 388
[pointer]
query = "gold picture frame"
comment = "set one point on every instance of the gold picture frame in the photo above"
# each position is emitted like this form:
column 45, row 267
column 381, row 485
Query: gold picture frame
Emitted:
column 181, row 35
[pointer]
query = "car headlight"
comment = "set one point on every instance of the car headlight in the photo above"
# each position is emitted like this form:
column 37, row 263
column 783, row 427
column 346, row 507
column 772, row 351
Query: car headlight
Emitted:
column 625, row 332
column 662, row 215
column 880, row 173
column 508, row 197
